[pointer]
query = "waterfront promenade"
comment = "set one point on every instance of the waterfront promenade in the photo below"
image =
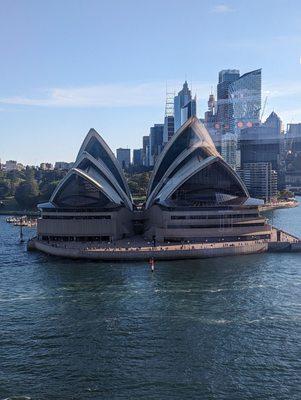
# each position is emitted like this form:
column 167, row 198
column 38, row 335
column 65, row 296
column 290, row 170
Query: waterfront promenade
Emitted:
column 137, row 249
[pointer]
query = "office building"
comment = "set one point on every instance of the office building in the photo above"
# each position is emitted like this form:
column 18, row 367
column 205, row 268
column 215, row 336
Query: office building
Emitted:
column 224, row 110
column 245, row 97
column 155, row 143
column 137, row 157
column 229, row 150
column 293, row 156
column 63, row 166
column 260, row 179
column 262, row 143
column 184, row 106
column 124, row 157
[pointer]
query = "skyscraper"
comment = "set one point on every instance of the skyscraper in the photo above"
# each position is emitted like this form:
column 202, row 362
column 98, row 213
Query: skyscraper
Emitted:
column 245, row 97
column 124, row 157
column 224, row 106
column 155, row 142
column 137, row 157
column 145, row 150
column 184, row 106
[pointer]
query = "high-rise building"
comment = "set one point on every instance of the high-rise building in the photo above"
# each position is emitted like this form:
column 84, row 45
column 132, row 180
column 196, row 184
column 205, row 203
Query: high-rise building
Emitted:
column 262, row 143
column 145, row 151
column 169, row 121
column 184, row 106
column 260, row 179
column 245, row 98
column 155, row 142
column 293, row 156
column 124, row 157
column 224, row 107
column 137, row 157
column 229, row 149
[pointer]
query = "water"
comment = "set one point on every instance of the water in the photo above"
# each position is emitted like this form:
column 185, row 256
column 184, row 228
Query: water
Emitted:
column 226, row 328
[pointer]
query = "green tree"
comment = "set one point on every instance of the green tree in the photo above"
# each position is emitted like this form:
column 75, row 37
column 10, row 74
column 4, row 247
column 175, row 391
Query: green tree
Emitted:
column 27, row 194
column 4, row 188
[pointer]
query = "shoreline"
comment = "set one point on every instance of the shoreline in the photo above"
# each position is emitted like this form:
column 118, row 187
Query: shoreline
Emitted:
column 279, row 205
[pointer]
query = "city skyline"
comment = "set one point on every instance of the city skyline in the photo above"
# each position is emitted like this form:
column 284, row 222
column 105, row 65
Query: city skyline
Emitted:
column 59, row 81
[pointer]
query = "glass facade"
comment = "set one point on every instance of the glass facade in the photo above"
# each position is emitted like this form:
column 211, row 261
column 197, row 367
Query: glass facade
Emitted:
column 245, row 97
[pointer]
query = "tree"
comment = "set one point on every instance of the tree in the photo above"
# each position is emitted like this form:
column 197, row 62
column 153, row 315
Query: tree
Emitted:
column 27, row 193
column 4, row 188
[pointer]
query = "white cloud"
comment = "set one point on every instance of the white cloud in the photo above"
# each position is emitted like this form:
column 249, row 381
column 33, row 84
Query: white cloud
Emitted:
column 283, row 89
column 222, row 8
column 104, row 95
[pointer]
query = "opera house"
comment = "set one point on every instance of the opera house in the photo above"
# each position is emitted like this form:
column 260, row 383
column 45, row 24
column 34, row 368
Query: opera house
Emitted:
column 193, row 196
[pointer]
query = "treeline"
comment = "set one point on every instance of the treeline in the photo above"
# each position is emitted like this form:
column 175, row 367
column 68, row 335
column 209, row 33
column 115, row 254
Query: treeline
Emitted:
column 28, row 187
column 32, row 186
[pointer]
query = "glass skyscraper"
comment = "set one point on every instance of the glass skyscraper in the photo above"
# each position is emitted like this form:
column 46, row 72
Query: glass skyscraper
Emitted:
column 184, row 106
column 245, row 98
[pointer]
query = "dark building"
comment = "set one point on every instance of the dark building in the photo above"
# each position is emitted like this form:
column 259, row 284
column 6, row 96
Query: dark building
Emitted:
column 137, row 157
column 145, row 150
column 260, row 179
column 263, row 144
column 155, row 142
column 169, row 128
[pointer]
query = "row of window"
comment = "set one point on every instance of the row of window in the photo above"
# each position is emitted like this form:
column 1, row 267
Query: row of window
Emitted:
column 214, row 226
column 76, row 238
column 216, row 216
column 216, row 239
column 76, row 217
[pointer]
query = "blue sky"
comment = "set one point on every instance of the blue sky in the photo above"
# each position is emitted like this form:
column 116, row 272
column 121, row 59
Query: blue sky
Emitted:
column 70, row 65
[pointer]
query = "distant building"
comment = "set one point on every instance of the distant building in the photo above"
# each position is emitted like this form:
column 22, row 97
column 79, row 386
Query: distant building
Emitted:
column 261, row 143
column 293, row 156
column 138, row 157
column 169, row 120
column 155, row 142
column 184, row 106
column 145, row 151
column 63, row 166
column 229, row 149
column 224, row 111
column 46, row 166
column 260, row 179
column 12, row 165
column 245, row 98
column 124, row 157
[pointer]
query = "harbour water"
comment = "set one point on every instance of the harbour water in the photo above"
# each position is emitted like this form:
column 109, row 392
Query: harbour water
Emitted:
column 224, row 328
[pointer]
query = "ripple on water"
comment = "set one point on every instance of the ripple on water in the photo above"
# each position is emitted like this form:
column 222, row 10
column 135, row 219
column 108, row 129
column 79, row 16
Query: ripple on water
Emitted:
column 217, row 329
